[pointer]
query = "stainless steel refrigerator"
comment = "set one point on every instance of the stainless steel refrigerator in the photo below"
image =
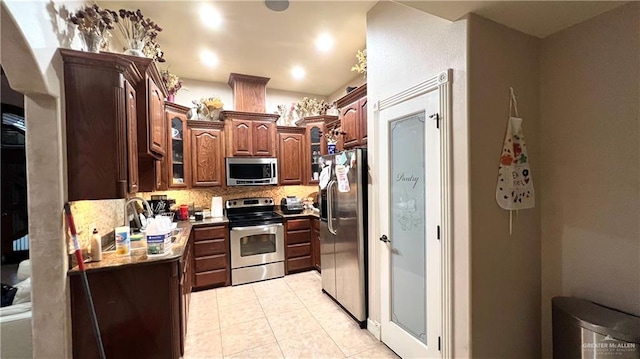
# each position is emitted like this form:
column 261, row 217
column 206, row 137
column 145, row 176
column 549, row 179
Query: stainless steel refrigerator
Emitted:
column 343, row 230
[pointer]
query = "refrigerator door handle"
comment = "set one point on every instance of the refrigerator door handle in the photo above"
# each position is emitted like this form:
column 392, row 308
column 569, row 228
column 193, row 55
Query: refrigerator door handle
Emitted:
column 330, row 200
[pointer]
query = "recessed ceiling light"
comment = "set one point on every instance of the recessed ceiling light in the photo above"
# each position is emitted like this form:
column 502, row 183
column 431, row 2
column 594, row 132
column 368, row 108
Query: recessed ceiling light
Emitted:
column 324, row 42
column 298, row 72
column 210, row 16
column 277, row 5
column 208, row 58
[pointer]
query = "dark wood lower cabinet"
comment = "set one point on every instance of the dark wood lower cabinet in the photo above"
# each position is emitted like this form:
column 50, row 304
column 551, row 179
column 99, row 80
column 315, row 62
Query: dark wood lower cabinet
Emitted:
column 138, row 310
column 298, row 241
column 211, row 257
column 315, row 242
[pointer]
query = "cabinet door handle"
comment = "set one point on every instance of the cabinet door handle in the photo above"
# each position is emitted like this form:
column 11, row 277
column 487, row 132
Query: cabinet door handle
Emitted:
column 385, row 239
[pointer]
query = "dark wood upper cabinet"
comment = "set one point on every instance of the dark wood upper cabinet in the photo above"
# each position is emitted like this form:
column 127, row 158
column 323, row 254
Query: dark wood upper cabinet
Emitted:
column 152, row 140
column 315, row 146
column 362, row 104
column 353, row 117
column 132, row 138
column 250, row 134
column 242, row 139
column 349, row 121
column 262, row 138
column 178, row 159
column 100, row 124
column 158, row 141
column 207, row 153
column 291, row 150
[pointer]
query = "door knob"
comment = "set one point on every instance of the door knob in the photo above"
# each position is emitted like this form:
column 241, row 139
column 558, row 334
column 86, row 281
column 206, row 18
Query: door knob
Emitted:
column 385, row 239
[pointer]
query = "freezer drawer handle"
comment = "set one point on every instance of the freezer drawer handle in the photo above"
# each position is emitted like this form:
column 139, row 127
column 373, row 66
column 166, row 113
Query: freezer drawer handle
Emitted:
column 385, row 239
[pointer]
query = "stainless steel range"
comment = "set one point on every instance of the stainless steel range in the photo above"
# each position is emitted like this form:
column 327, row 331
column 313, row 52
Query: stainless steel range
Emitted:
column 257, row 240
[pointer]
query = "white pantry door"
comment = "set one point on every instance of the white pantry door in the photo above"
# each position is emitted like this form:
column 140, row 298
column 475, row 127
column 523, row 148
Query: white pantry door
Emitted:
column 410, row 205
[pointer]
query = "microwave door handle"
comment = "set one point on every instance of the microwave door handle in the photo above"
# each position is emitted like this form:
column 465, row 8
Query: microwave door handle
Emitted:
column 330, row 200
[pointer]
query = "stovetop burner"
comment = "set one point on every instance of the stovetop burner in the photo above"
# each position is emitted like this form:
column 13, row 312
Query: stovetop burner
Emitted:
column 245, row 212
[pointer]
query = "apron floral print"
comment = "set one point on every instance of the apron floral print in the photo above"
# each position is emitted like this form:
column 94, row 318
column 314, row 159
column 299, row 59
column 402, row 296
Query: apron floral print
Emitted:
column 514, row 188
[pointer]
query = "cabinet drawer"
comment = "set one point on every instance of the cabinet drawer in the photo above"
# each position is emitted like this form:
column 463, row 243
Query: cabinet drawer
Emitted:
column 298, row 237
column 211, row 262
column 298, row 250
column 300, row 263
column 211, row 277
column 297, row 224
column 209, row 247
column 210, row 233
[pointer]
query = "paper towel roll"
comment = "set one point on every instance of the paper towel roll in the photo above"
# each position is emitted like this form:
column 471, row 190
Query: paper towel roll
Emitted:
column 216, row 207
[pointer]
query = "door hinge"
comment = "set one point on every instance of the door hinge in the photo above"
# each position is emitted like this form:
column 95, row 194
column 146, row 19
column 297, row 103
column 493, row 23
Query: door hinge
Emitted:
column 439, row 344
column 438, row 232
column 436, row 116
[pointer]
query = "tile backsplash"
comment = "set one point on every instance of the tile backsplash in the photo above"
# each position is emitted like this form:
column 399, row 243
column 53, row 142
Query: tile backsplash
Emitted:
column 108, row 214
column 202, row 197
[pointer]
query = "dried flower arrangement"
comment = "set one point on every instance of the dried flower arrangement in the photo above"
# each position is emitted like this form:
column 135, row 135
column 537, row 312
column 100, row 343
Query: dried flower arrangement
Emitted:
column 171, row 82
column 152, row 50
column 93, row 20
column 208, row 108
column 361, row 66
column 333, row 135
column 94, row 24
column 137, row 31
column 286, row 114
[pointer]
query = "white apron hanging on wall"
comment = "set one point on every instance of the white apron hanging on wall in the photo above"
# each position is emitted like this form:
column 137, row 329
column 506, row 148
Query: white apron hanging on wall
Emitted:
column 514, row 189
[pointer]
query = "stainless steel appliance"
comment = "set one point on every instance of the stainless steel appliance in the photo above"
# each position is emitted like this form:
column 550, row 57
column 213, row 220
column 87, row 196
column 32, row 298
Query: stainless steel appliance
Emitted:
column 256, row 240
column 343, row 231
column 291, row 205
column 252, row 171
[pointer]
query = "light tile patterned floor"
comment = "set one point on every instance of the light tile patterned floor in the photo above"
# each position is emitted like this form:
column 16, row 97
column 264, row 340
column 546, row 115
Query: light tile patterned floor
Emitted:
column 287, row 317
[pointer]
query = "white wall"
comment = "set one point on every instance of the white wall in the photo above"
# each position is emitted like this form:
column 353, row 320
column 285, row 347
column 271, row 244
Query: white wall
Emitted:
column 590, row 112
column 198, row 89
column 505, row 310
column 405, row 47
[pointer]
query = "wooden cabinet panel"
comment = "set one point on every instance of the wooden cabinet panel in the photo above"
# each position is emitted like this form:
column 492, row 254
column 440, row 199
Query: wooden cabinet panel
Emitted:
column 212, row 278
column 297, row 224
column 298, row 237
column 242, row 139
column 349, row 121
column 353, row 117
column 290, row 159
column 262, row 139
column 206, row 157
column 299, row 250
column 156, row 119
column 141, row 299
column 161, row 176
column 209, row 247
column 205, row 233
column 315, row 243
column 132, row 137
column 218, row 261
column 298, row 264
column 362, row 104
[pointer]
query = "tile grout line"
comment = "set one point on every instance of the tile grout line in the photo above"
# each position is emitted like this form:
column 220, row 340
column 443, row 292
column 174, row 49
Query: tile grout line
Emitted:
column 269, row 323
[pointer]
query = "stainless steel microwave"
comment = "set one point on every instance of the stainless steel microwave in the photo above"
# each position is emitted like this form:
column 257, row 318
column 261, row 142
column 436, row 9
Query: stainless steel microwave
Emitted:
column 251, row 171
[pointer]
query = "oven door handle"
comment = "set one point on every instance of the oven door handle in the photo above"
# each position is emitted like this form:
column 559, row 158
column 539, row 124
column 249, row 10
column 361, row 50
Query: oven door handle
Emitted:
column 265, row 227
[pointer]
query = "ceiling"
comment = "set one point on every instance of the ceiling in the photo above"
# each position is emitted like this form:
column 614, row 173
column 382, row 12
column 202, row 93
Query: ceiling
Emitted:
column 254, row 40
column 537, row 18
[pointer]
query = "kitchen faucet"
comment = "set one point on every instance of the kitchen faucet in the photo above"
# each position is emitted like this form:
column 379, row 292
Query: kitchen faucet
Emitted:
column 130, row 201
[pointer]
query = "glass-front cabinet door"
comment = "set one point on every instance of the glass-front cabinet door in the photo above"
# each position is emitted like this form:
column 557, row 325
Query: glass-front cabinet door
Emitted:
column 315, row 150
column 177, row 156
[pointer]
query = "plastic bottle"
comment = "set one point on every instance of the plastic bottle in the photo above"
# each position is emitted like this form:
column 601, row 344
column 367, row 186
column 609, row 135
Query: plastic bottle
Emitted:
column 96, row 246
column 123, row 243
